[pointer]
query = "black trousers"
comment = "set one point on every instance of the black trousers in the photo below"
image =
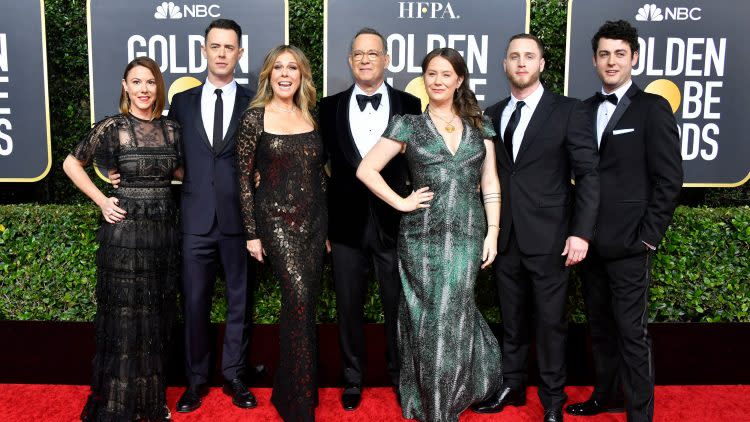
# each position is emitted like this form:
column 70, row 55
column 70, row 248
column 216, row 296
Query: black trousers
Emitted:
column 200, row 257
column 534, row 285
column 616, row 296
column 351, row 270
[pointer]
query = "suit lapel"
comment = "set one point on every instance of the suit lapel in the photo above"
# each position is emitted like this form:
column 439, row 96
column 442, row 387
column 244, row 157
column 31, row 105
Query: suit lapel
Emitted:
column 541, row 112
column 345, row 138
column 500, row 152
column 198, row 121
column 240, row 100
column 622, row 106
column 394, row 103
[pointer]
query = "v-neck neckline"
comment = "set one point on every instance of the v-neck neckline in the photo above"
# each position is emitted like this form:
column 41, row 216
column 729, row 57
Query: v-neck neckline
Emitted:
column 445, row 144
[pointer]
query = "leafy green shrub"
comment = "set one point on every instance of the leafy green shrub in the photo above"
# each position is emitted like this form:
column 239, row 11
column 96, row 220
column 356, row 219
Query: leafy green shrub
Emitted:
column 47, row 272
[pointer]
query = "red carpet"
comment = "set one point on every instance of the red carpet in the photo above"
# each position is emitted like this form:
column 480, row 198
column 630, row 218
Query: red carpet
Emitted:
column 21, row 402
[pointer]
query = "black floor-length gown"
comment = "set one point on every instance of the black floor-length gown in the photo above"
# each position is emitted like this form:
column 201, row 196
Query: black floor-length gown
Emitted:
column 288, row 213
column 136, row 269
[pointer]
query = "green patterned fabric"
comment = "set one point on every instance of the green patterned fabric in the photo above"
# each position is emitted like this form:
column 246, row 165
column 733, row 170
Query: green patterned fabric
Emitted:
column 449, row 356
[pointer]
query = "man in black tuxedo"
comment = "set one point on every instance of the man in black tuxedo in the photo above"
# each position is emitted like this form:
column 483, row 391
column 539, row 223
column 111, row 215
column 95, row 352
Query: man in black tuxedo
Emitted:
column 362, row 228
column 545, row 223
column 641, row 175
column 211, row 223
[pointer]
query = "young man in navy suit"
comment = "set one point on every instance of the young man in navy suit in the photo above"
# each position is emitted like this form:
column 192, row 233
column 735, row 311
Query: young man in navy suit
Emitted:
column 641, row 175
column 211, row 223
column 362, row 228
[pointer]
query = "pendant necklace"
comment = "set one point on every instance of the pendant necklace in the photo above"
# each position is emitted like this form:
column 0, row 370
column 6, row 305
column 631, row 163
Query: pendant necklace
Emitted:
column 448, row 123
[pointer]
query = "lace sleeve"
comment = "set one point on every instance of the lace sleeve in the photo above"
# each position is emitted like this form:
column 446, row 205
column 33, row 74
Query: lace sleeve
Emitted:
column 251, row 125
column 100, row 145
column 173, row 131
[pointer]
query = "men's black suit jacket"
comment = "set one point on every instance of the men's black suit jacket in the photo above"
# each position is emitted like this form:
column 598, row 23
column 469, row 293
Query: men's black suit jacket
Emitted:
column 350, row 203
column 210, row 186
column 538, row 200
column 640, row 168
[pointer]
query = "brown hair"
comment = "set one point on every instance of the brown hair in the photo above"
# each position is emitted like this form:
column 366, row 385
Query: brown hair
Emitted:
column 464, row 100
column 151, row 65
column 305, row 96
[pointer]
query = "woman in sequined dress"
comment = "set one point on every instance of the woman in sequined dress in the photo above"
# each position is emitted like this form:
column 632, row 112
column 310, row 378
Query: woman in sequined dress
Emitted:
column 449, row 356
column 285, row 216
column 137, row 256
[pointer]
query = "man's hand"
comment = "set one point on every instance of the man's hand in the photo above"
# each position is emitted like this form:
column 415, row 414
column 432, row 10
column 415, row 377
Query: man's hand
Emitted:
column 576, row 249
column 114, row 178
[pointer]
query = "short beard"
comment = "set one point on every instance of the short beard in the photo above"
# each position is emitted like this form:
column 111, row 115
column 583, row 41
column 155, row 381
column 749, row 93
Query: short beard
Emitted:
column 533, row 79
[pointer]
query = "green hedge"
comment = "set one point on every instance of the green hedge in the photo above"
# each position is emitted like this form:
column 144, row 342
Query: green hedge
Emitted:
column 47, row 272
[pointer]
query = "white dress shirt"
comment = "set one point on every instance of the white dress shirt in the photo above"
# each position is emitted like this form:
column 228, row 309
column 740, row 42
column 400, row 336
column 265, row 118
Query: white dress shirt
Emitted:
column 606, row 109
column 208, row 104
column 367, row 126
column 527, row 110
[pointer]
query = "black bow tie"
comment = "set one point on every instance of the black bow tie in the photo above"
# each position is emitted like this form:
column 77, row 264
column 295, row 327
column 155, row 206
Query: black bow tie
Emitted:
column 600, row 98
column 362, row 100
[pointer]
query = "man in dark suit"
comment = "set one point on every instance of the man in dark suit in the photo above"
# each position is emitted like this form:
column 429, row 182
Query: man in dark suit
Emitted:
column 641, row 175
column 542, row 138
column 211, row 222
column 362, row 228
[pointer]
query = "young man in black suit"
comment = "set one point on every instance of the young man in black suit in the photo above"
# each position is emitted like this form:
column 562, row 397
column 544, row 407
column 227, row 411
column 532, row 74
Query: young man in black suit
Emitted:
column 212, row 227
column 641, row 175
column 545, row 223
column 362, row 228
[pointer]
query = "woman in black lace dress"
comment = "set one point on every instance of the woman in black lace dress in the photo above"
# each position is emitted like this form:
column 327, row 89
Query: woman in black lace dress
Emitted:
column 137, row 256
column 286, row 215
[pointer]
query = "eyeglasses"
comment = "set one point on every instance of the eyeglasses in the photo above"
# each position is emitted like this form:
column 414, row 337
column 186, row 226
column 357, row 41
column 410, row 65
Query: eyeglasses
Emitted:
column 372, row 55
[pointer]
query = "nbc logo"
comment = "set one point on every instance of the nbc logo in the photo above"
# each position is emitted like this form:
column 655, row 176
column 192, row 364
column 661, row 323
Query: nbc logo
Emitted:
column 168, row 10
column 649, row 12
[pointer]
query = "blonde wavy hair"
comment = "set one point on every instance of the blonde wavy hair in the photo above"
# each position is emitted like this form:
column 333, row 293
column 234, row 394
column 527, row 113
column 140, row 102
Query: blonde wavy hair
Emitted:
column 305, row 96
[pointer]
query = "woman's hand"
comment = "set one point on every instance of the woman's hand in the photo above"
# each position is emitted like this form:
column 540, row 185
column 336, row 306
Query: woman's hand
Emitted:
column 489, row 250
column 111, row 212
column 256, row 249
column 417, row 199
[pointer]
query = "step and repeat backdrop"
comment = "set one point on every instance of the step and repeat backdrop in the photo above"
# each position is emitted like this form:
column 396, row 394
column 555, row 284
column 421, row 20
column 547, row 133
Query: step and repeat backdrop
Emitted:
column 25, row 153
column 692, row 52
column 479, row 29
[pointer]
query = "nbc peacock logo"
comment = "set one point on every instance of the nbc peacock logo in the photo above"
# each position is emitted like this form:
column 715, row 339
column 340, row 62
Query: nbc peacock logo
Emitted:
column 168, row 10
column 649, row 12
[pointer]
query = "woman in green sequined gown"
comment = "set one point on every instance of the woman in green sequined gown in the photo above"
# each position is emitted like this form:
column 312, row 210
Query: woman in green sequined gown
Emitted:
column 449, row 356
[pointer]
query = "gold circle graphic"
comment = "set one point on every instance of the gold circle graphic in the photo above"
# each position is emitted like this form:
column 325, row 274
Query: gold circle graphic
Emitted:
column 182, row 84
column 668, row 90
column 416, row 88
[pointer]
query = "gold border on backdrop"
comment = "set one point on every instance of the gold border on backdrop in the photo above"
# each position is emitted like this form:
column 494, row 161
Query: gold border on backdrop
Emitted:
column 567, row 67
column 325, row 40
column 46, row 108
column 91, row 67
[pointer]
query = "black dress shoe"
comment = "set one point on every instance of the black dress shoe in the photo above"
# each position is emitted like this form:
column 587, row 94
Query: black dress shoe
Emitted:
column 351, row 397
column 191, row 398
column 553, row 415
column 507, row 396
column 594, row 407
column 241, row 396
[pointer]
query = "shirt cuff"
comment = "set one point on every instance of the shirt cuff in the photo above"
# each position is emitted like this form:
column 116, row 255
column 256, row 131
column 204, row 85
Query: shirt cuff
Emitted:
column 653, row 248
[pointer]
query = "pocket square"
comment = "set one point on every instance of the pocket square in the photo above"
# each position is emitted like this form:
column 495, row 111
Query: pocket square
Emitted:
column 621, row 131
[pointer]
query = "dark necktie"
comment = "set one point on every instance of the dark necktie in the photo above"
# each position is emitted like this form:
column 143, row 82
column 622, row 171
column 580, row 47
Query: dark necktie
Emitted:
column 600, row 98
column 362, row 101
column 218, row 119
column 511, row 128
